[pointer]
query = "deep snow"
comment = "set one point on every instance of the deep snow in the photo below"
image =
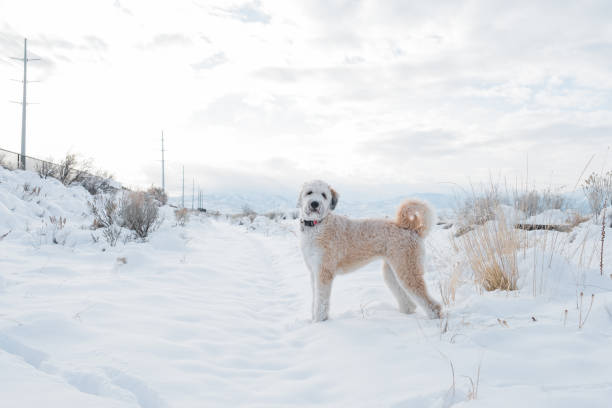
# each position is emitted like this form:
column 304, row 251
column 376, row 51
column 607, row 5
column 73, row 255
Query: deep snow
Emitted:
column 217, row 314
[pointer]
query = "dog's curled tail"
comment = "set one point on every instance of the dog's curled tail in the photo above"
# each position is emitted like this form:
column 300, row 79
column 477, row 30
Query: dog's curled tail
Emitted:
column 415, row 215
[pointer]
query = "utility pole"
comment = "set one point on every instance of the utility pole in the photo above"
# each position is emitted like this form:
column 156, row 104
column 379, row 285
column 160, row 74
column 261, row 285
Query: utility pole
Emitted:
column 25, row 59
column 183, row 200
column 163, row 165
column 192, row 191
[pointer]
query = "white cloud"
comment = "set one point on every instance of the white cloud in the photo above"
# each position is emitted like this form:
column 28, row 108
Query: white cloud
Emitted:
column 344, row 89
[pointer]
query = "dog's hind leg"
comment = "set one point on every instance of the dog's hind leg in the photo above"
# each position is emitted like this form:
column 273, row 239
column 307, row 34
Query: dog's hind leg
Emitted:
column 409, row 272
column 403, row 300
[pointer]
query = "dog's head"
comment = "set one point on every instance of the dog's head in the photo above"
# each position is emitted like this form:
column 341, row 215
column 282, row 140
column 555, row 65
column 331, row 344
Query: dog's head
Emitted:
column 316, row 200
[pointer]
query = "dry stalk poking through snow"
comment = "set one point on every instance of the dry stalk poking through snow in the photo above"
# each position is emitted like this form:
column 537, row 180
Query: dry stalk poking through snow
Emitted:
column 603, row 237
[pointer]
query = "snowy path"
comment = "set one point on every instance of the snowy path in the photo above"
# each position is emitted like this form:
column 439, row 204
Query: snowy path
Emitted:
column 211, row 315
column 215, row 315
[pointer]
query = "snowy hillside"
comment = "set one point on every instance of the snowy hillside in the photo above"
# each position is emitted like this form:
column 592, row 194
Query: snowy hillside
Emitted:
column 216, row 314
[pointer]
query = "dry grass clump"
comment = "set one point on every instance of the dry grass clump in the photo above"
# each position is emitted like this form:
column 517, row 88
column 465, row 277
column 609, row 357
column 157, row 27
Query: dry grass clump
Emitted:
column 448, row 286
column 492, row 250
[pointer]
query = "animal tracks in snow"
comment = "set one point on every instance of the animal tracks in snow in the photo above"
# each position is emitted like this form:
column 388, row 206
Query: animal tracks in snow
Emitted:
column 104, row 382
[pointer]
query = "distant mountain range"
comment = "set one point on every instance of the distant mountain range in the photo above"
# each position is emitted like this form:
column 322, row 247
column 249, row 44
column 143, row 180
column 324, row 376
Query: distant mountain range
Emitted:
column 263, row 203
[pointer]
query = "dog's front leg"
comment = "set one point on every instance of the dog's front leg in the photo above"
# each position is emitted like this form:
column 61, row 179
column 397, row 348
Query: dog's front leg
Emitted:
column 312, row 290
column 323, row 285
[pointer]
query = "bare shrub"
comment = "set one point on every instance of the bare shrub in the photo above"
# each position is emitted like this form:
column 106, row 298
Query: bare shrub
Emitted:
column 491, row 250
column 71, row 170
column 182, row 216
column 105, row 211
column 101, row 182
column 65, row 169
column 275, row 215
column 139, row 213
column 478, row 209
column 597, row 189
column 158, row 194
column 248, row 211
column 535, row 202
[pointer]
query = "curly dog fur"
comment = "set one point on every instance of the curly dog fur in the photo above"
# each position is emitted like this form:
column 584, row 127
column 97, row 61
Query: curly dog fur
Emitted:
column 334, row 245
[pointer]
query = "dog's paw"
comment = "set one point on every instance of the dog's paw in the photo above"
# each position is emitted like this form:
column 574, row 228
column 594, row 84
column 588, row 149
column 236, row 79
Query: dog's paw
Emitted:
column 436, row 312
column 407, row 309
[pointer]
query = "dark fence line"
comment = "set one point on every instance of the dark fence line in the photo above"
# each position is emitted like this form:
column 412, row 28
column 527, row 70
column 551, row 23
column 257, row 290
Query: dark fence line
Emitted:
column 12, row 160
column 63, row 172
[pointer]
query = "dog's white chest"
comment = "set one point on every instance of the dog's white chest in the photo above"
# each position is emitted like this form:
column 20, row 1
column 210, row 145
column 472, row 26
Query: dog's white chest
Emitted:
column 310, row 249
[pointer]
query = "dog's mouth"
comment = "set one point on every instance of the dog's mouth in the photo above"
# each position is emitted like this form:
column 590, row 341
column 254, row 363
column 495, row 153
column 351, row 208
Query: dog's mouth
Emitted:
column 310, row 211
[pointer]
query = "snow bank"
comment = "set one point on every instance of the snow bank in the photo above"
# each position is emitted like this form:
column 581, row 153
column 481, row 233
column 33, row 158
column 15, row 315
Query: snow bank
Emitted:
column 216, row 313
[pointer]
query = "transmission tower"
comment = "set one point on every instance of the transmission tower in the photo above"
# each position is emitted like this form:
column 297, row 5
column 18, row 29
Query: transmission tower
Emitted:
column 183, row 200
column 163, row 164
column 25, row 59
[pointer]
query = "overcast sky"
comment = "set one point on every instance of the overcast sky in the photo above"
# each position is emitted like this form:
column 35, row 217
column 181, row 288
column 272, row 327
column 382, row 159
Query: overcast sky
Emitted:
column 374, row 96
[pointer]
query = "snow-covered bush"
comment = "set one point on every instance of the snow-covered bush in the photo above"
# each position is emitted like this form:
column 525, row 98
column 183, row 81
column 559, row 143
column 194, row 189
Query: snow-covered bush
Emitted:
column 139, row 213
column 105, row 211
column 101, row 182
column 72, row 171
column 66, row 170
column 4, row 162
column 158, row 194
column 136, row 211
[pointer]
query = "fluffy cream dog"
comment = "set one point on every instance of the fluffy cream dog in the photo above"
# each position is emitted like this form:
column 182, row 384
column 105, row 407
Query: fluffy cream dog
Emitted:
column 333, row 245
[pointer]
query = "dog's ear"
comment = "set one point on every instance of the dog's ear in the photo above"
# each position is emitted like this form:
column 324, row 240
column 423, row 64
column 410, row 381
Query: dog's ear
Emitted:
column 334, row 200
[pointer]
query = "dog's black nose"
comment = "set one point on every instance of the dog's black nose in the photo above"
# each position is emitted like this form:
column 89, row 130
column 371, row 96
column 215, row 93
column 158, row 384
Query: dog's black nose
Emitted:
column 314, row 205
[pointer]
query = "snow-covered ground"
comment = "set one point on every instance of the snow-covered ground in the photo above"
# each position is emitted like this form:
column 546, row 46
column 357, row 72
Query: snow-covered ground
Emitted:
column 217, row 314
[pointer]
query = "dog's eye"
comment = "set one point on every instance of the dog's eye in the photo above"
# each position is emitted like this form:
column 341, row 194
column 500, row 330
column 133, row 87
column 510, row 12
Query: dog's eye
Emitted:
column 325, row 196
column 309, row 193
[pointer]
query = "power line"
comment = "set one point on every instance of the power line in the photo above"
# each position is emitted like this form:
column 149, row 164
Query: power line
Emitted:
column 24, row 103
column 163, row 164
